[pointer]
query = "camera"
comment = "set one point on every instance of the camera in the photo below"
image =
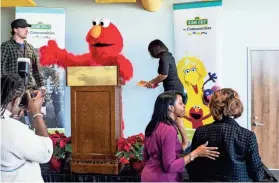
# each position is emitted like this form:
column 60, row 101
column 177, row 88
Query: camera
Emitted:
column 24, row 99
column 23, row 66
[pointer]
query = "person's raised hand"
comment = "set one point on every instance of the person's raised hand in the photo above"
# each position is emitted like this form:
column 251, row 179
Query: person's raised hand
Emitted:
column 35, row 103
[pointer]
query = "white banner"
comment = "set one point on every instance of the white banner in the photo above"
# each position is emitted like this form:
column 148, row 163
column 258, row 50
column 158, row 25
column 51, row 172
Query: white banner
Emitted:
column 197, row 37
column 48, row 23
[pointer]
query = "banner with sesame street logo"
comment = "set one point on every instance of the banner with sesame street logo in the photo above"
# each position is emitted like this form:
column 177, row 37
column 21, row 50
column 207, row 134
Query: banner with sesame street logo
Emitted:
column 48, row 24
column 197, row 40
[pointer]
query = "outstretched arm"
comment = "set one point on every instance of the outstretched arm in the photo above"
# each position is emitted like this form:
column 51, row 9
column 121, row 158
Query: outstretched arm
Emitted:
column 212, row 77
column 125, row 68
column 52, row 54
column 188, row 118
column 207, row 116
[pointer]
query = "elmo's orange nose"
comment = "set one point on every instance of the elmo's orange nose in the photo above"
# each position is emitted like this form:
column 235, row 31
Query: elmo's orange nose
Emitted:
column 96, row 31
column 197, row 109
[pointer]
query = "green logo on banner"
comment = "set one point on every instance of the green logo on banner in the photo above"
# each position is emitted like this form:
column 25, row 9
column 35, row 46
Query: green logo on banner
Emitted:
column 197, row 21
column 41, row 25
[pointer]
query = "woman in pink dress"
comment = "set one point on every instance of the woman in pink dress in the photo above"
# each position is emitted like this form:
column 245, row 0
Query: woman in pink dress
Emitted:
column 162, row 149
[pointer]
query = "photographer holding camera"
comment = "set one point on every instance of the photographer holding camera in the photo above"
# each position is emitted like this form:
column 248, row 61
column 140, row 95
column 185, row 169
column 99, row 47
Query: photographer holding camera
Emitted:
column 21, row 149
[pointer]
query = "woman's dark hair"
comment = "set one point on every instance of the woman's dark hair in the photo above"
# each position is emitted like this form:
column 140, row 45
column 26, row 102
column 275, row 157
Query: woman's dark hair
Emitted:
column 12, row 86
column 161, row 110
column 156, row 48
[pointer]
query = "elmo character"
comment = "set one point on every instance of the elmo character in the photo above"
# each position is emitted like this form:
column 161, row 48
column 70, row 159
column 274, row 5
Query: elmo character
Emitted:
column 196, row 116
column 105, row 44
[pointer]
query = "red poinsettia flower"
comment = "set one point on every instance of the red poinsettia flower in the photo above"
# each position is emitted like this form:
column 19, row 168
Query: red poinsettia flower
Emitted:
column 62, row 142
column 123, row 145
column 63, row 149
column 123, row 161
column 55, row 163
column 141, row 136
column 130, row 151
column 54, row 141
column 132, row 139
column 120, row 144
column 68, row 140
column 58, row 135
column 54, row 135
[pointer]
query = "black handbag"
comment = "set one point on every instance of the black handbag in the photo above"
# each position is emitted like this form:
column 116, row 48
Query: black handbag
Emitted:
column 268, row 175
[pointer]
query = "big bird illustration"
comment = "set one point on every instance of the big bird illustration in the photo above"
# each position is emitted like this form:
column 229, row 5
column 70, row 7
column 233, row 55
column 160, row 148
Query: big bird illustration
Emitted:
column 192, row 73
column 105, row 44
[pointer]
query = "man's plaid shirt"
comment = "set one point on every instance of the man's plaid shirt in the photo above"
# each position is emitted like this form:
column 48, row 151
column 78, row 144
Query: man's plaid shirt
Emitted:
column 11, row 51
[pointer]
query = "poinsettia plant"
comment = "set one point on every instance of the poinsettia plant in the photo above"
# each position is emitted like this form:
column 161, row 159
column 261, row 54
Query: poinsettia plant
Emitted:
column 129, row 151
column 62, row 149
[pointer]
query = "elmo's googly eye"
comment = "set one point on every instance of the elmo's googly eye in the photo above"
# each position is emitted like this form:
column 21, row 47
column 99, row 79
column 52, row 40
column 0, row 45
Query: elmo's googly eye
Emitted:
column 96, row 21
column 104, row 22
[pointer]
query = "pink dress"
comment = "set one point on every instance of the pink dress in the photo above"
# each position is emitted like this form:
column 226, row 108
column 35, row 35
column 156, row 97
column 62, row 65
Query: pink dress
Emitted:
column 162, row 156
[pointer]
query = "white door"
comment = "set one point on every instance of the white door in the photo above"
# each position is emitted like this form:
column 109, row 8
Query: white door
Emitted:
column 263, row 102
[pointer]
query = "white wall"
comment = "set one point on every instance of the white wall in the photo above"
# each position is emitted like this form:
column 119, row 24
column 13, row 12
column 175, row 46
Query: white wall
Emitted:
column 7, row 16
column 246, row 23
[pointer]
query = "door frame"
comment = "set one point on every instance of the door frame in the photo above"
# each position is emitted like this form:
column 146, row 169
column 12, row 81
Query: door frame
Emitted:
column 249, row 80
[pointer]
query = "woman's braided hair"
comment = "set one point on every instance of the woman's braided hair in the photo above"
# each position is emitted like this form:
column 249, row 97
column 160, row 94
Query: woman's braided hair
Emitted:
column 12, row 86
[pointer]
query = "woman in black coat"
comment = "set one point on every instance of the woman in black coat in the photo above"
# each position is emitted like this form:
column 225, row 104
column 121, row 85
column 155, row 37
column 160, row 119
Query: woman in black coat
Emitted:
column 167, row 71
column 239, row 159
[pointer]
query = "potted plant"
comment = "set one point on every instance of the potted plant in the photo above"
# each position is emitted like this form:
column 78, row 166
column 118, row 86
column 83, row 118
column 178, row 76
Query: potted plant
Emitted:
column 129, row 152
column 62, row 150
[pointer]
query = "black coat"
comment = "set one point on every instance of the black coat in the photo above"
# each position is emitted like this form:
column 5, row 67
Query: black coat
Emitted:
column 239, row 156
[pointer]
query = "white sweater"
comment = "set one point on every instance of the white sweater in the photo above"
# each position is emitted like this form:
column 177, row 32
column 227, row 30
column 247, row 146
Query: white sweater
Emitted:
column 22, row 151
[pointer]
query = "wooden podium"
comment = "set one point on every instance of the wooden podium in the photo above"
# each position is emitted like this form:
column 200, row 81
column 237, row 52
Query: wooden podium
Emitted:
column 95, row 118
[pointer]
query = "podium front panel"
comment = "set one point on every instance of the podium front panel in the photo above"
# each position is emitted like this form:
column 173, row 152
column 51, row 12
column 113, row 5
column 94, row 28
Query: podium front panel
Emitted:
column 96, row 126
